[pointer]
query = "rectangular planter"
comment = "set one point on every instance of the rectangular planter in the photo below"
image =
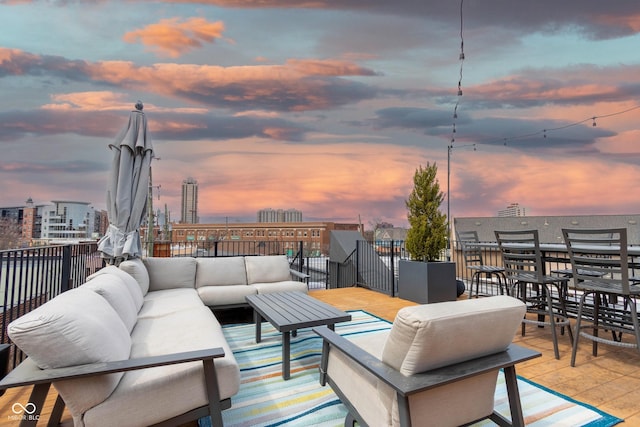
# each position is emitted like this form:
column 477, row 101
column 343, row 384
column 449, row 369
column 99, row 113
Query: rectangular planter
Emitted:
column 427, row 282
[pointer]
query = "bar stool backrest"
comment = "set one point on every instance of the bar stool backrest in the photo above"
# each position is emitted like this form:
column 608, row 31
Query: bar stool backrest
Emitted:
column 472, row 252
column 599, row 256
column 521, row 255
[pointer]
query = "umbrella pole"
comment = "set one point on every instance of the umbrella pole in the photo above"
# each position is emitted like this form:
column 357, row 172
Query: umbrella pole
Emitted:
column 150, row 217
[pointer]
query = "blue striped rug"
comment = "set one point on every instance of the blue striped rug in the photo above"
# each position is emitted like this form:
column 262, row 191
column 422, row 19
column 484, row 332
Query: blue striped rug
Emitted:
column 265, row 399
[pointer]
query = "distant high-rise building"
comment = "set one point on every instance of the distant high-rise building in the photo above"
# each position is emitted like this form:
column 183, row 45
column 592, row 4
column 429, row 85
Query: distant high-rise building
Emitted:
column 189, row 201
column 513, row 209
column 280, row 215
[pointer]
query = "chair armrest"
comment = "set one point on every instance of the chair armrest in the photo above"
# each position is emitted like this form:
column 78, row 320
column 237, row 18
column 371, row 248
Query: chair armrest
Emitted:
column 27, row 373
column 407, row 385
column 298, row 274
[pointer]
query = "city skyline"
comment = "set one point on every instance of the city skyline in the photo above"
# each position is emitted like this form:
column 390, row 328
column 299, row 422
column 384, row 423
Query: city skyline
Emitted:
column 329, row 106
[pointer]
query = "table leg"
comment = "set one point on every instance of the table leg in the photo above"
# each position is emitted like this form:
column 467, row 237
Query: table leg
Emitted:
column 258, row 321
column 286, row 355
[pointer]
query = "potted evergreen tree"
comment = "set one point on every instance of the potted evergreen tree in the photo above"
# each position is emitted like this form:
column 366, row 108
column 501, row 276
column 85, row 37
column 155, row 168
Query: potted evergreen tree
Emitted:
column 424, row 279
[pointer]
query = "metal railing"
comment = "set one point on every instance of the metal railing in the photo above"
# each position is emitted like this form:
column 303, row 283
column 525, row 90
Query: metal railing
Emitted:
column 32, row 276
column 372, row 265
column 215, row 248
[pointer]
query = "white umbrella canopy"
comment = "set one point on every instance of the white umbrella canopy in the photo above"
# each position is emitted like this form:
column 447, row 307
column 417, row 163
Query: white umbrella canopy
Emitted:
column 127, row 189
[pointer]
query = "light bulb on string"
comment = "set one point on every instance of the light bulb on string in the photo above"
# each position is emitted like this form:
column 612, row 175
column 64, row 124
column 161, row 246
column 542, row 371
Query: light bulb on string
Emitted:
column 594, row 121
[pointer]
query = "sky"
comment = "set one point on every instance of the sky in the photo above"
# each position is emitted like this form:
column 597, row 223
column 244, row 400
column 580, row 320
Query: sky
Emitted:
column 327, row 106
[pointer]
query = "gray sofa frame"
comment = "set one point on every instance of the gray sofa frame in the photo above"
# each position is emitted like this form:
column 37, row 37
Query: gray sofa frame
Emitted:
column 27, row 374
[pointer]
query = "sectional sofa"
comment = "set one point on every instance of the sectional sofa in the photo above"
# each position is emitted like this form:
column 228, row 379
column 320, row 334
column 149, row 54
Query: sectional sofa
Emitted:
column 96, row 343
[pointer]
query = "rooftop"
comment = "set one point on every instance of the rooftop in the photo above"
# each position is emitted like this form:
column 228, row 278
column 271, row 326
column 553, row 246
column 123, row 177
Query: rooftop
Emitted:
column 608, row 382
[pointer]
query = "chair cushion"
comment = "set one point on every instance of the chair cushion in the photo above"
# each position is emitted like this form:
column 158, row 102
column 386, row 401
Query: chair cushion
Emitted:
column 113, row 289
column 170, row 273
column 129, row 281
column 270, row 268
column 430, row 336
column 220, row 271
column 358, row 384
column 136, row 269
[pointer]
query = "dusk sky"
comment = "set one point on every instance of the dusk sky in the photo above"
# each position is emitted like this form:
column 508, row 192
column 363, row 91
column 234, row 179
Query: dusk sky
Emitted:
column 327, row 106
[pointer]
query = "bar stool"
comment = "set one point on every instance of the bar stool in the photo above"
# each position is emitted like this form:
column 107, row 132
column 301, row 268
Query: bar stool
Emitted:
column 524, row 267
column 473, row 261
column 603, row 251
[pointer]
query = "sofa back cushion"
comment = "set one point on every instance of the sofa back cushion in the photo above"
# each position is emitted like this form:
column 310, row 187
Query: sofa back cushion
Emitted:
column 136, row 269
column 430, row 336
column 267, row 269
column 220, row 271
column 170, row 273
column 76, row 327
column 127, row 279
column 115, row 291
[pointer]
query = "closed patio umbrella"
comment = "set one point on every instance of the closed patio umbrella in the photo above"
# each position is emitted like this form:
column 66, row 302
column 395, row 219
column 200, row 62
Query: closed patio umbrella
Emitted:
column 127, row 189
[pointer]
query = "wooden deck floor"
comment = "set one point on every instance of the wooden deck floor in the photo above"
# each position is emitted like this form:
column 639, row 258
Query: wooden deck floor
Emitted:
column 609, row 382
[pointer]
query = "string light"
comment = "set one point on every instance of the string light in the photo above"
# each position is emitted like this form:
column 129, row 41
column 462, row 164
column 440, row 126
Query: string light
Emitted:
column 461, row 57
column 544, row 132
column 453, row 132
column 516, row 137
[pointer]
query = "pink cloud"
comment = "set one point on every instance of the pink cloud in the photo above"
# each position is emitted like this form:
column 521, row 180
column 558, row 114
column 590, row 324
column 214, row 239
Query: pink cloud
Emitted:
column 174, row 37
column 296, row 85
column 91, row 101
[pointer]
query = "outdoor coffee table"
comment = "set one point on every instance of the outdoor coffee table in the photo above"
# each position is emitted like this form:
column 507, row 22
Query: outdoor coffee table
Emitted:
column 290, row 311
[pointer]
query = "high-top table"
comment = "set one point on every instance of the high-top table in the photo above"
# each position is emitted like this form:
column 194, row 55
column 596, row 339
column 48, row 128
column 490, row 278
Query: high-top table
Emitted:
column 288, row 312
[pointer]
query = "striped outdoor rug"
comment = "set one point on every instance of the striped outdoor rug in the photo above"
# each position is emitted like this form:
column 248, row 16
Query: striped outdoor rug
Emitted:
column 265, row 399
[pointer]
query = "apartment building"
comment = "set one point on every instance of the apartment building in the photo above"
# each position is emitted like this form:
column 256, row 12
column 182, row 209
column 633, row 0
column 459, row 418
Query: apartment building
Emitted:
column 314, row 235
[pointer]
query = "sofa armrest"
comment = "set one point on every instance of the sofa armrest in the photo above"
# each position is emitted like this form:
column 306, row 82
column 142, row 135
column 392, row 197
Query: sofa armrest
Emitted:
column 406, row 385
column 27, row 373
column 299, row 275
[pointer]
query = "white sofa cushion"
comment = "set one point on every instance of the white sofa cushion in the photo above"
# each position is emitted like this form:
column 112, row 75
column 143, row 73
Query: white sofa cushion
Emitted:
column 220, row 271
column 170, row 273
column 161, row 303
column 76, row 327
column 136, row 269
column 264, row 269
column 131, row 283
column 114, row 290
column 168, row 390
column 480, row 327
column 216, row 296
column 284, row 286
